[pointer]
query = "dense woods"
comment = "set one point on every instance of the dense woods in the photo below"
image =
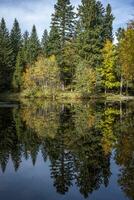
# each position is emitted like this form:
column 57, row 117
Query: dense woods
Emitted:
column 78, row 55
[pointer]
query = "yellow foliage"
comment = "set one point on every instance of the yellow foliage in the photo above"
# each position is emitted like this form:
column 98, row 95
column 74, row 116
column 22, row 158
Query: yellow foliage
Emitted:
column 41, row 77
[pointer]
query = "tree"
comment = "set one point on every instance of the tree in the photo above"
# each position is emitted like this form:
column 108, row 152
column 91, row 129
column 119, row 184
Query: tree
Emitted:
column 44, row 43
column 64, row 19
column 85, row 79
column 62, row 31
column 108, row 24
column 16, row 42
column 6, row 58
column 42, row 78
column 119, row 36
column 107, row 70
column 54, row 45
column 21, row 62
column 34, row 48
column 17, row 77
column 126, row 54
column 90, row 38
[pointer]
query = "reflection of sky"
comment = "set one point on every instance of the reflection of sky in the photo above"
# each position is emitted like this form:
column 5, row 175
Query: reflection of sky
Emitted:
column 38, row 12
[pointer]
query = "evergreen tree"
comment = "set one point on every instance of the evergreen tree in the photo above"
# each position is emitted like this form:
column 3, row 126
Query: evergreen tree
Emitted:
column 15, row 37
column 17, row 77
column 90, row 31
column 108, row 23
column 21, row 62
column 44, row 42
column 64, row 20
column 34, row 47
column 6, row 69
column 62, row 31
column 54, row 42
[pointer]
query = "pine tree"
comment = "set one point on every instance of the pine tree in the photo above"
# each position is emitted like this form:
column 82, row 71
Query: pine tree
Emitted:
column 21, row 62
column 108, row 24
column 44, row 42
column 6, row 69
column 90, row 32
column 34, row 46
column 17, row 77
column 25, row 48
column 64, row 20
column 15, row 37
column 54, row 45
column 62, row 31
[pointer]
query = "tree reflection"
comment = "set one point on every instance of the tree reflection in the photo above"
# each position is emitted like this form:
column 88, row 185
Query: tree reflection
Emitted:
column 125, row 153
column 77, row 139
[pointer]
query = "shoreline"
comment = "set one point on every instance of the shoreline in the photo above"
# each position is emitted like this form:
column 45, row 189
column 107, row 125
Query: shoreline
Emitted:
column 10, row 96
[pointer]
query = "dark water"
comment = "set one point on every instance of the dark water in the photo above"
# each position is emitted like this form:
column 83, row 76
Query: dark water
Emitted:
column 51, row 151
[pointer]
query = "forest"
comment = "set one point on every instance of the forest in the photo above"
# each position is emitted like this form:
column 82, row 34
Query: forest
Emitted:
column 77, row 58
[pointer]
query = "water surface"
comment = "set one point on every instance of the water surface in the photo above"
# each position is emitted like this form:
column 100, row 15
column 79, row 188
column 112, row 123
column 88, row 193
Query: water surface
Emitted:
column 67, row 151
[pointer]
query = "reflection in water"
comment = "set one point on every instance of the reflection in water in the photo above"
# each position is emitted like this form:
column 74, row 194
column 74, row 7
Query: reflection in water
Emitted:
column 77, row 139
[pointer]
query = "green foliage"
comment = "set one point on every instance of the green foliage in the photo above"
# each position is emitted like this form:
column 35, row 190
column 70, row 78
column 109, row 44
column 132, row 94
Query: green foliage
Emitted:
column 17, row 77
column 126, row 53
column 16, row 40
column 85, row 79
column 108, row 24
column 6, row 58
column 63, row 19
column 34, row 48
column 44, row 43
column 54, row 45
column 90, row 32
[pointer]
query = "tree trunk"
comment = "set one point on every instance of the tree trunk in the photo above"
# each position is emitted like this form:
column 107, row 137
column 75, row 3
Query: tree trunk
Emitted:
column 121, row 112
column 121, row 85
column 105, row 90
column 127, row 88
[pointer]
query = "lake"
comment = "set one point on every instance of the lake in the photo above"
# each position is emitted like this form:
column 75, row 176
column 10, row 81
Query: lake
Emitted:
column 66, row 151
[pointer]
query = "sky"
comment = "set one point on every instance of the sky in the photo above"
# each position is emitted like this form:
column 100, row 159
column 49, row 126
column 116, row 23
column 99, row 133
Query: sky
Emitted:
column 38, row 12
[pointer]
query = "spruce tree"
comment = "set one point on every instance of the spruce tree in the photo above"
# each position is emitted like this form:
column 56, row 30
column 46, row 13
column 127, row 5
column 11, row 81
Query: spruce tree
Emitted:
column 6, row 58
column 90, row 32
column 108, row 24
column 17, row 77
column 21, row 62
column 34, row 47
column 62, row 31
column 15, row 37
column 44, row 42
column 54, row 45
column 64, row 19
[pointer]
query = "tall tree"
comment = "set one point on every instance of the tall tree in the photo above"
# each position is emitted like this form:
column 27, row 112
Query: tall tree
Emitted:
column 127, row 54
column 64, row 19
column 108, row 24
column 5, row 57
column 44, row 42
column 54, row 45
column 119, row 35
column 90, row 33
column 15, row 37
column 34, row 46
column 62, row 32
column 21, row 62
